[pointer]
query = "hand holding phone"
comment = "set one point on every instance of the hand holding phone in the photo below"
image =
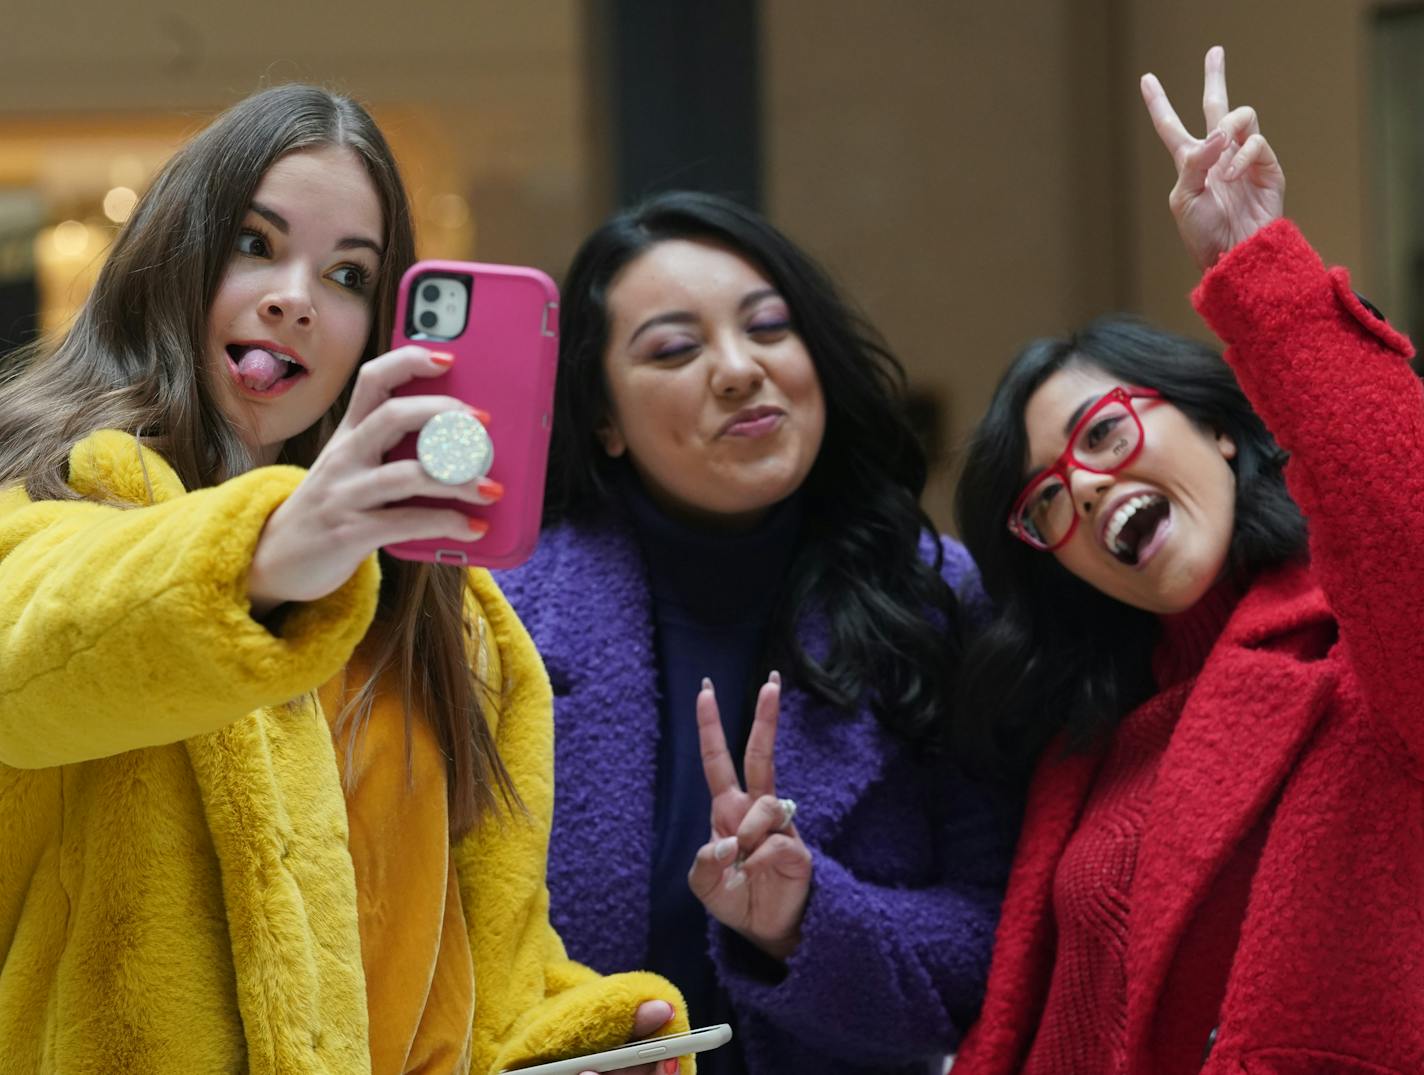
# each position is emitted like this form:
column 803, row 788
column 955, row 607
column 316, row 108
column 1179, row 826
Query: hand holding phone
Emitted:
column 498, row 324
column 340, row 512
column 650, row 1050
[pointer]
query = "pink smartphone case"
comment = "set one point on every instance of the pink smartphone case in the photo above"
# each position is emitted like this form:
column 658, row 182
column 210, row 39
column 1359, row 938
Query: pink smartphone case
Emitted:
column 504, row 365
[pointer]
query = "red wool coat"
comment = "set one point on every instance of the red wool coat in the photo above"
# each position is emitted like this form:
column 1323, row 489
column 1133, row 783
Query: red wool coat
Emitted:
column 1307, row 721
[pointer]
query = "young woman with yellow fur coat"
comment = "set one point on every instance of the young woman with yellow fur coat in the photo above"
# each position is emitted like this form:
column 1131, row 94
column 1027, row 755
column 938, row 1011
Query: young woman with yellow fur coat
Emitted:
column 266, row 803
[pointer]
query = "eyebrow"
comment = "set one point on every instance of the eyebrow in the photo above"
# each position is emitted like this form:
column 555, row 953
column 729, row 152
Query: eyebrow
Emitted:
column 351, row 242
column 1073, row 420
column 1077, row 415
column 683, row 317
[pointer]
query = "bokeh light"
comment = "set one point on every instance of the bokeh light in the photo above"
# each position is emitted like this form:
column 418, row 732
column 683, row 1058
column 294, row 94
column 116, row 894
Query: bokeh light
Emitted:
column 119, row 203
column 71, row 238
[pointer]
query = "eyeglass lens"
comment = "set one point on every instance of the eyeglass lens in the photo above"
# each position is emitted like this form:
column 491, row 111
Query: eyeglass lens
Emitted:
column 1107, row 439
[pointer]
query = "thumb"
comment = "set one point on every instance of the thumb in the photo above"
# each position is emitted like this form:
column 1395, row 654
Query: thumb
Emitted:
column 651, row 1016
column 1191, row 176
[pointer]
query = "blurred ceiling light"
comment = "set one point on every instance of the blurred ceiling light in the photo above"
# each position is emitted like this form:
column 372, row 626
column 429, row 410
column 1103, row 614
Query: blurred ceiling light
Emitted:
column 71, row 238
column 449, row 211
column 119, row 203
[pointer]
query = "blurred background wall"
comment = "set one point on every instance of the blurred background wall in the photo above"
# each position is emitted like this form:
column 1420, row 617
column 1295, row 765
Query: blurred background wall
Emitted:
column 973, row 174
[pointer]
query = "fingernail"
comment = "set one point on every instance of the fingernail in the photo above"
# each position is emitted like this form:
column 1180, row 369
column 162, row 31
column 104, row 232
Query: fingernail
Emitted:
column 442, row 358
column 478, row 529
column 775, row 677
column 490, row 489
column 724, row 848
column 706, row 684
column 483, row 416
column 670, row 1066
column 737, row 880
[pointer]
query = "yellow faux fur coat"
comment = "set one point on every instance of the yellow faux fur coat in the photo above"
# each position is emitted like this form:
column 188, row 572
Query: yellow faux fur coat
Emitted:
column 176, row 892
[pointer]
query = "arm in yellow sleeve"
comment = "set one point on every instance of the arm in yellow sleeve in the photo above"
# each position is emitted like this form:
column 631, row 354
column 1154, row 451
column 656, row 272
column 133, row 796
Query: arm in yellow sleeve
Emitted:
column 532, row 1003
column 127, row 628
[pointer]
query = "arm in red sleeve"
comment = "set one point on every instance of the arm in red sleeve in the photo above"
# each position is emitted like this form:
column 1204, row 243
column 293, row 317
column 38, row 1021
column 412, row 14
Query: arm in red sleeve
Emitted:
column 1333, row 384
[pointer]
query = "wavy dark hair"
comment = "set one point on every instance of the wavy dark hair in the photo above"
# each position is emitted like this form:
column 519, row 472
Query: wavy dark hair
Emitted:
column 892, row 618
column 1061, row 654
column 133, row 361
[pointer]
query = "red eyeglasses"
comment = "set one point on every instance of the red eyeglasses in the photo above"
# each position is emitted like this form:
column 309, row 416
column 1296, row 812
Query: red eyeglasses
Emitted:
column 1105, row 440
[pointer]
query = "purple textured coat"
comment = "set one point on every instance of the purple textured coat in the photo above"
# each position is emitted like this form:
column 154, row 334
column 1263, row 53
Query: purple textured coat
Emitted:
column 909, row 862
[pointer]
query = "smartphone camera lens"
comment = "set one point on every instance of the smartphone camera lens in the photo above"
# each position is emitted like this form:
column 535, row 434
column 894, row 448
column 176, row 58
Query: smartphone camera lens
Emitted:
column 430, row 293
column 429, row 319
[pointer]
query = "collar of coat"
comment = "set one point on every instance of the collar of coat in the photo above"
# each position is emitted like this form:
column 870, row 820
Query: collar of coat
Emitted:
column 1247, row 717
column 112, row 465
column 585, row 599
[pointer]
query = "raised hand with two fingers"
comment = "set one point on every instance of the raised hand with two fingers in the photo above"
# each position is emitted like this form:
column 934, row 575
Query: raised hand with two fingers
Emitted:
column 1229, row 183
column 754, row 874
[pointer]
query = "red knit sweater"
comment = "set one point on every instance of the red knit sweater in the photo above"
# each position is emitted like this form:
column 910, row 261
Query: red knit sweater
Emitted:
column 1084, row 1024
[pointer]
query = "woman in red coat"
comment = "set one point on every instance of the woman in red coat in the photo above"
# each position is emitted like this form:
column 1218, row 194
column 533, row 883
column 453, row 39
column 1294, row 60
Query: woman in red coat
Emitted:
column 1222, row 863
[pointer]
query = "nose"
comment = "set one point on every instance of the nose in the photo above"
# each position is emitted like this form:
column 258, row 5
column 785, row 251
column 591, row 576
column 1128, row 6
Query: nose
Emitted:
column 289, row 301
column 1087, row 489
column 736, row 371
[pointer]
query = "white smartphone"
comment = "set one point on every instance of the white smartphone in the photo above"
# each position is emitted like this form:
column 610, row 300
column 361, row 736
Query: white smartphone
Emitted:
column 638, row 1052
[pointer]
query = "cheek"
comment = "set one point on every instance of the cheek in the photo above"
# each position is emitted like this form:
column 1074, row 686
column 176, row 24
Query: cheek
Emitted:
column 799, row 379
column 816, row 404
column 1223, row 511
column 226, row 303
column 803, row 389
column 657, row 408
column 351, row 329
column 1078, row 557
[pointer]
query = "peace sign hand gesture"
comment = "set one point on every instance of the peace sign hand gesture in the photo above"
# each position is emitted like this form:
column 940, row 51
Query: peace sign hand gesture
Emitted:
column 754, row 875
column 1229, row 184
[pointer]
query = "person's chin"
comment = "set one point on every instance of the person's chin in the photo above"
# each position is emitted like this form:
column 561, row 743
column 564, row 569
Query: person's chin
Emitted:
column 1182, row 588
column 276, row 430
column 766, row 495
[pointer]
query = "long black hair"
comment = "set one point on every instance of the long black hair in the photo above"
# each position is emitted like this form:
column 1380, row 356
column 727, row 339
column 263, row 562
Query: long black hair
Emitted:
column 891, row 616
column 1061, row 654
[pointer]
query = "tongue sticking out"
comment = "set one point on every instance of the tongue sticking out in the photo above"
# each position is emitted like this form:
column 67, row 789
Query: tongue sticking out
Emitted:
column 260, row 370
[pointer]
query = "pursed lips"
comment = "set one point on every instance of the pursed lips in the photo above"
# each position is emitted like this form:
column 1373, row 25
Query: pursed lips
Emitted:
column 749, row 416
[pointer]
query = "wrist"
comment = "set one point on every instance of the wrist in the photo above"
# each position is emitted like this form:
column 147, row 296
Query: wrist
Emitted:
column 271, row 615
column 262, row 609
column 778, row 948
column 262, row 603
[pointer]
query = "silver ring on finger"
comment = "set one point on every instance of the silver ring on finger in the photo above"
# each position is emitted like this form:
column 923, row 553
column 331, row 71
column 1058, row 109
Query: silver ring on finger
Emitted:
column 788, row 813
column 454, row 448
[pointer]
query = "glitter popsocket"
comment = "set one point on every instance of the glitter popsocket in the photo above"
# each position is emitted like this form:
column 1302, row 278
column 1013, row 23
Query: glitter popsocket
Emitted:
column 454, row 448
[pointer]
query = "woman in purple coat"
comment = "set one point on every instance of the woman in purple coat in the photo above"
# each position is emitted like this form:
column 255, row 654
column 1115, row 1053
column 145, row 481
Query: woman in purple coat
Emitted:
column 734, row 541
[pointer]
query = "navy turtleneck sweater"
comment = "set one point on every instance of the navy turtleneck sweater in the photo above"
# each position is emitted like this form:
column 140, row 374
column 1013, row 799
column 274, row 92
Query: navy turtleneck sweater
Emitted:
column 713, row 594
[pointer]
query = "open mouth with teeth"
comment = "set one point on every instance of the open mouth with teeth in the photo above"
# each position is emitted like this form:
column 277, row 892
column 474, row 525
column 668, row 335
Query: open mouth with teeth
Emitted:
column 262, row 371
column 1135, row 526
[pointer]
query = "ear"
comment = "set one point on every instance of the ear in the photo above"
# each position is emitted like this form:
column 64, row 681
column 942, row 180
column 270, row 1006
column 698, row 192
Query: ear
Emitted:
column 1226, row 446
column 611, row 438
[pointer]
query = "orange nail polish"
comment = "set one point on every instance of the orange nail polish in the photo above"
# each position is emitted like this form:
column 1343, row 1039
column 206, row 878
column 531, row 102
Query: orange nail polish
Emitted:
column 483, row 416
column 479, row 527
column 670, row 1067
column 442, row 358
column 490, row 489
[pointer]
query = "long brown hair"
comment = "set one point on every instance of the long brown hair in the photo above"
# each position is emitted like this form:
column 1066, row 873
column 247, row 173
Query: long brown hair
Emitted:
column 134, row 361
